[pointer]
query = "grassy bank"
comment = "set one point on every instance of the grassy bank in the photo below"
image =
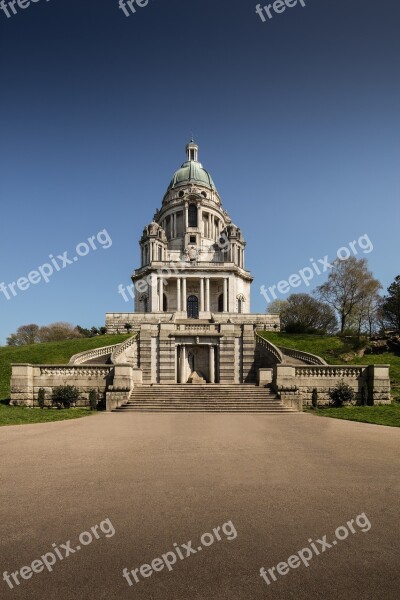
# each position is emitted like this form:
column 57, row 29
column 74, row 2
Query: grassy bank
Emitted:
column 53, row 353
column 332, row 349
column 378, row 415
column 21, row 415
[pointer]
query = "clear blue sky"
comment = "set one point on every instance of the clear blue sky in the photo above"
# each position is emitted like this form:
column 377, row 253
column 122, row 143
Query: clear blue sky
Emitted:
column 297, row 120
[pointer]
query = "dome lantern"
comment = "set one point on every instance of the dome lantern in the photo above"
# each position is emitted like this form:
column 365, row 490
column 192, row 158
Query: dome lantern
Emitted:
column 192, row 151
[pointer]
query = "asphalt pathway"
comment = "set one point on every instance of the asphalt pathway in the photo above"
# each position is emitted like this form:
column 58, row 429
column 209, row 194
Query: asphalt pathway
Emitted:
column 269, row 483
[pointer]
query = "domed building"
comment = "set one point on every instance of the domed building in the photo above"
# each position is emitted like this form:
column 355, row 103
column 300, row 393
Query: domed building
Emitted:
column 192, row 325
column 192, row 289
column 193, row 251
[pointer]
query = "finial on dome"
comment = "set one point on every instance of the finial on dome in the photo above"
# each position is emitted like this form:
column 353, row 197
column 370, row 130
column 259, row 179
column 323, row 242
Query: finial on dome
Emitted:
column 192, row 150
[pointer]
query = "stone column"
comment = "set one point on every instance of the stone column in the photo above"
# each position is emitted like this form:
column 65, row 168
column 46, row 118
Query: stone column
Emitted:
column 208, row 294
column 201, row 295
column 225, row 294
column 178, row 295
column 186, row 216
column 209, row 226
column 184, row 300
column 160, row 294
column 154, row 292
column 212, row 364
column 174, row 225
column 183, row 364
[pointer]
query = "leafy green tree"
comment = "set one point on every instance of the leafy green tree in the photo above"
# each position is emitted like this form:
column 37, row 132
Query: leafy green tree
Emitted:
column 301, row 313
column 391, row 305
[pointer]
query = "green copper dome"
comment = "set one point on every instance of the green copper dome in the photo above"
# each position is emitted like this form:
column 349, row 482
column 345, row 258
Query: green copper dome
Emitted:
column 192, row 171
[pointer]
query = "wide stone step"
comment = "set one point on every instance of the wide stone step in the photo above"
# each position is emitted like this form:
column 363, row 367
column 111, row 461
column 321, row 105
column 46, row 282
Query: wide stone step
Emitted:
column 280, row 411
column 212, row 398
column 206, row 404
column 222, row 396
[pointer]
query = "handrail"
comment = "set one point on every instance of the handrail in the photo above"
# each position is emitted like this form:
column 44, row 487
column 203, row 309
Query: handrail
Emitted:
column 120, row 348
column 269, row 348
column 82, row 357
column 311, row 359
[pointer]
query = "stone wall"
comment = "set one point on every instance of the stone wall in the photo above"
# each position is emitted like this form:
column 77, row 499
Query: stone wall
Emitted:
column 27, row 379
column 115, row 321
column 374, row 379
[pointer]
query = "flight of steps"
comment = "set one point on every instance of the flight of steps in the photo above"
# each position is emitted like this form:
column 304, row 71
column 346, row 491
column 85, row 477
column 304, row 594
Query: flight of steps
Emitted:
column 217, row 398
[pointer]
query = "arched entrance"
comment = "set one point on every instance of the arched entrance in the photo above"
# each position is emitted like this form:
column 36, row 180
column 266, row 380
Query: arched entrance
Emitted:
column 193, row 307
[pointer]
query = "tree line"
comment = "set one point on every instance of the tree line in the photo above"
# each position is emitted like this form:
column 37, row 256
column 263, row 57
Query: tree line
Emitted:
column 350, row 301
column 55, row 332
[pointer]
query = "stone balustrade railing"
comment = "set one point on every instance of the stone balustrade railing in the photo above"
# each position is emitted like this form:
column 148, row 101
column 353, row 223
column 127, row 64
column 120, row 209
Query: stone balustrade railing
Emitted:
column 119, row 353
column 70, row 371
column 268, row 347
column 330, row 371
column 311, row 359
column 83, row 357
column 198, row 328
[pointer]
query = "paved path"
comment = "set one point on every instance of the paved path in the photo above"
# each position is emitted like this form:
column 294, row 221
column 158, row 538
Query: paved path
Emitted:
column 162, row 479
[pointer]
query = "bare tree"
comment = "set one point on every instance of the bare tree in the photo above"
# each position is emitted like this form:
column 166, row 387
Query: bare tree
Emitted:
column 26, row 334
column 58, row 331
column 33, row 334
column 349, row 285
column 367, row 314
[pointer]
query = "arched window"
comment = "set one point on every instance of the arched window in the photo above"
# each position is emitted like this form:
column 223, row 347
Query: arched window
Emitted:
column 145, row 301
column 165, row 303
column 240, row 303
column 221, row 303
column 193, row 307
column 192, row 215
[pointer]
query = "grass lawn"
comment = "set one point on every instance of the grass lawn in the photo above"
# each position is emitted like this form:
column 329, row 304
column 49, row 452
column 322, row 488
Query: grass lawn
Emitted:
column 53, row 353
column 378, row 415
column 330, row 348
column 20, row 415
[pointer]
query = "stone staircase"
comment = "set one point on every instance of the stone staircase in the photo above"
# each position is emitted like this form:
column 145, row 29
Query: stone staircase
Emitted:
column 218, row 398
